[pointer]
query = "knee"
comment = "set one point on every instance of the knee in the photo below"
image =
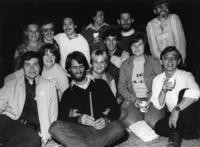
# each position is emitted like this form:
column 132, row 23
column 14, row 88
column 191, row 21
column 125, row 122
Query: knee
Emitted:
column 55, row 127
column 119, row 127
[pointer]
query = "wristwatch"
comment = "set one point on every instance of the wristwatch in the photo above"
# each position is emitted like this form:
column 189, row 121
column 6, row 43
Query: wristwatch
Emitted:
column 177, row 108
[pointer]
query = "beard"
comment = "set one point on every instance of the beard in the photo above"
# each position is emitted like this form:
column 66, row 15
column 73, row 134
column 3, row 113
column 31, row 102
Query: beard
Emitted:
column 126, row 27
column 79, row 79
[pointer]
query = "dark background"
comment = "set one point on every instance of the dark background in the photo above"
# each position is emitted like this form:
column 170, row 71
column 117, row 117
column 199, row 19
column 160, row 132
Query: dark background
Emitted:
column 14, row 14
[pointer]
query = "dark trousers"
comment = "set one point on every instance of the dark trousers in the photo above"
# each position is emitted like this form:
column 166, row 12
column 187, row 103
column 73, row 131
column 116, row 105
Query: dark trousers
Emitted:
column 186, row 124
column 76, row 135
column 15, row 134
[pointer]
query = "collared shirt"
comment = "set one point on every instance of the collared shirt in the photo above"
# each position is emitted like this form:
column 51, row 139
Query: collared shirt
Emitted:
column 184, row 80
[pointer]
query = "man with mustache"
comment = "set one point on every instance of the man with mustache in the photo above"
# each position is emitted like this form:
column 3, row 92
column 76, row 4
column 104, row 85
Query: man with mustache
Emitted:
column 70, row 41
column 165, row 30
column 126, row 30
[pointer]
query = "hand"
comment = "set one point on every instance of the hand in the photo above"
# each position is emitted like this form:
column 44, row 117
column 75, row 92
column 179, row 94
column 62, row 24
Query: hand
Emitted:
column 96, row 40
column 100, row 123
column 173, row 119
column 168, row 85
column 87, row 120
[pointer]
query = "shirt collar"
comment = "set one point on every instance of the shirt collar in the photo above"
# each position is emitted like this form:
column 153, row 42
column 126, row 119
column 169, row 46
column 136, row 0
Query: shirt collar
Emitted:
column 129, row 33
column 86, row 84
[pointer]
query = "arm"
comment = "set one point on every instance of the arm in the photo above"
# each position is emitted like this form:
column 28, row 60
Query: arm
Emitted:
column 4, row 96
column 53, row 105
column 152, row 41
column 178, row 35
column 122, row 83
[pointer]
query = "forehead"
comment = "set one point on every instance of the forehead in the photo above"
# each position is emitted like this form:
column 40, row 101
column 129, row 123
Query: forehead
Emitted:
column 139, row 42
column 75, row 63
column 172, row 53
column 32, row 61
column 111, row 37
column 48, row 25
column 99, row 58
column 67, row 20
column 125, row 16
column 99, row 13
column 32, row 27
column 161, row 5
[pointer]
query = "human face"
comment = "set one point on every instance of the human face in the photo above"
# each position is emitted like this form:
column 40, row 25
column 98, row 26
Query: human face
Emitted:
column 99, row 64
column 68, row 26
column 125, row 21
column 48, row 32
column 137, row 48
column 99, row 18
column 33, row 32
column 170, row 61
column 31, row 68
column 49, row 59
column 162, row 10
column 78, row 71
column 111, row 43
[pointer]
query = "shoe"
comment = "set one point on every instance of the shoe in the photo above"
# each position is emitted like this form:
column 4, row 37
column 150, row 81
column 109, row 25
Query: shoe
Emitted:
column 174, row 140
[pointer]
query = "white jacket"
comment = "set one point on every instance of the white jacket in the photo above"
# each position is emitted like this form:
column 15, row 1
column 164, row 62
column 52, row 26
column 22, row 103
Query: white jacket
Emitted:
column 12, row 99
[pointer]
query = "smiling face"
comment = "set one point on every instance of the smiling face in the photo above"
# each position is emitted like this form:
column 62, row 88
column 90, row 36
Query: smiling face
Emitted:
column 68, row 26
column 49, row 59
column 78, row 71
column 48, row 32
column 162, row 10
column 99, row 64
column 32, row 32
column 125, row 21
column 111, row 43
column 170, row 61
column 137, row 48
column 31, row 68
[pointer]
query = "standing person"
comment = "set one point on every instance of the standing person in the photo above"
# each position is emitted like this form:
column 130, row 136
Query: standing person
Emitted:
column 93, row 32
column 135, row 82
column 28, row 105
column 178, row 90
column 165, row 30
column 126, row 30
column 48, row 31
column 31, row 42
column 52, row 70
column 87, row 115
column 99, row 68
column 70, row 41
column 115, row 53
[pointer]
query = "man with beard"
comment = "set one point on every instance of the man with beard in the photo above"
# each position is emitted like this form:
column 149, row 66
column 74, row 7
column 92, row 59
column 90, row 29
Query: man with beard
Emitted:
column 165, row 30
column 88, row 110
column 70, row 41
column 125, row 21
column 93, row 32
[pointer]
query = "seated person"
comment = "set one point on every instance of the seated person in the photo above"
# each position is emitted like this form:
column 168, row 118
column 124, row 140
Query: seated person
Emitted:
column 135, row 81
column 99, row 64
column 177, row 90
column 28, row 105
column 88, row 111
column 115, row 53
column 52, row 70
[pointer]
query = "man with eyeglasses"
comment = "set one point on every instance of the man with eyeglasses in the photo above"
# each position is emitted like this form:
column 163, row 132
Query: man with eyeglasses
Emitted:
column 165, row 30
column 178, row 91
column 48, row 31
column 28, row 106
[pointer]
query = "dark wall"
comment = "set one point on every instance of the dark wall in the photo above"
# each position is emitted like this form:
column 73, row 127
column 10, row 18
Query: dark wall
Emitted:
column 13, row 15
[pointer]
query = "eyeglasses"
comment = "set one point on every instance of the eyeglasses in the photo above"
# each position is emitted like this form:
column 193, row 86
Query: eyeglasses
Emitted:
column 48, row 30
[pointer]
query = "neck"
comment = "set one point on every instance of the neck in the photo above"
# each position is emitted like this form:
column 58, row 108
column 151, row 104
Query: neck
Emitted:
column 33, row 44
column 139, row 58
column 169, row 73
column 48, row 41
column 30, row 80
column 97, row 26
column 111, row 52
column 72, row 35
column 162, row 18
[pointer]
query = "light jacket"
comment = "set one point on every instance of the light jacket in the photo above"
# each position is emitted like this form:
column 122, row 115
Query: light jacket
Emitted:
column 12, row 99
column 152, row 67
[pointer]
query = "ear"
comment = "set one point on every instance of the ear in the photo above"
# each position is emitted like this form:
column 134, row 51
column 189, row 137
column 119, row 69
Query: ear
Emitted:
column 118, row 21
column 75, row 26
column 179, row 61
column 161, row 62
column 132, row 20
column 154, row 11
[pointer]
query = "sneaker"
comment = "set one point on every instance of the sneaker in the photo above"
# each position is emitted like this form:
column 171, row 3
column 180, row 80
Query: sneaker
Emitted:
column 174, row 140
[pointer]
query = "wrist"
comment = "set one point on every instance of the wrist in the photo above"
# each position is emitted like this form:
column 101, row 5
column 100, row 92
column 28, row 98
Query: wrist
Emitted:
column 80, row 119
column 177, row 109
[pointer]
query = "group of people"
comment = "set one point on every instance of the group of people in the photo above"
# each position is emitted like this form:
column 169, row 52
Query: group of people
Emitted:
column 86, row 89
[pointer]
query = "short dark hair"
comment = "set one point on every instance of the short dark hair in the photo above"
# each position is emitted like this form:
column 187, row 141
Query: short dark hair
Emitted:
column 170, row 49
column 111, row 32
column 138, row 36
column 159, row 2
column 79, row 57
column 52, row 48
column 47, row 20
column 30, row 55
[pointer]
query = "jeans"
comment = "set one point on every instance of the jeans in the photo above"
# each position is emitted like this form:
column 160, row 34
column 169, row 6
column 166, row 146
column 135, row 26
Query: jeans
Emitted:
column 15, row 134
column 77, row 135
